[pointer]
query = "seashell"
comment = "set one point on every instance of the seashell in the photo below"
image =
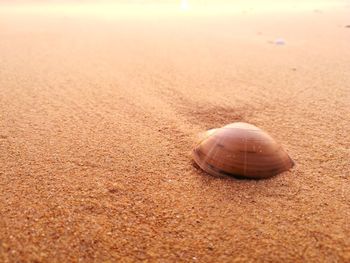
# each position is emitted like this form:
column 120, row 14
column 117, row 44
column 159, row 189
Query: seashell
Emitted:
column 280, row 41
column 241, row 149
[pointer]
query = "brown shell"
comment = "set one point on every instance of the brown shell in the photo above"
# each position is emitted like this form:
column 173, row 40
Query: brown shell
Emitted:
column 241, row 149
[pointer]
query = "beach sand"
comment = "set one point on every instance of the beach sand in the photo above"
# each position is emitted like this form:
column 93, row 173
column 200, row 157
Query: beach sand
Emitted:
column 98, row 116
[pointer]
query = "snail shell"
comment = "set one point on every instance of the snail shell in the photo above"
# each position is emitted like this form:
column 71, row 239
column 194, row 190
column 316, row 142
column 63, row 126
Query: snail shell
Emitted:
column 241, row 149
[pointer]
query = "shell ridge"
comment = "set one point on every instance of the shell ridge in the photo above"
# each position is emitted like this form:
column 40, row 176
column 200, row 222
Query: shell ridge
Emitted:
column 278, row 162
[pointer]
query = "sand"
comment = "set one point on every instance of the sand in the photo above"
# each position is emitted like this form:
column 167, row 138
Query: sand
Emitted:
column 98, row 117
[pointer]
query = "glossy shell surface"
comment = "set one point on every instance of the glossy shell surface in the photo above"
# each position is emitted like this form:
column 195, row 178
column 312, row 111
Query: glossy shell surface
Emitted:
column 241, row 149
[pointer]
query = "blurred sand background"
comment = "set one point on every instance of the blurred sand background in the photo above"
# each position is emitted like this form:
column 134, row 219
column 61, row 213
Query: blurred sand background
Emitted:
column 100, row 105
